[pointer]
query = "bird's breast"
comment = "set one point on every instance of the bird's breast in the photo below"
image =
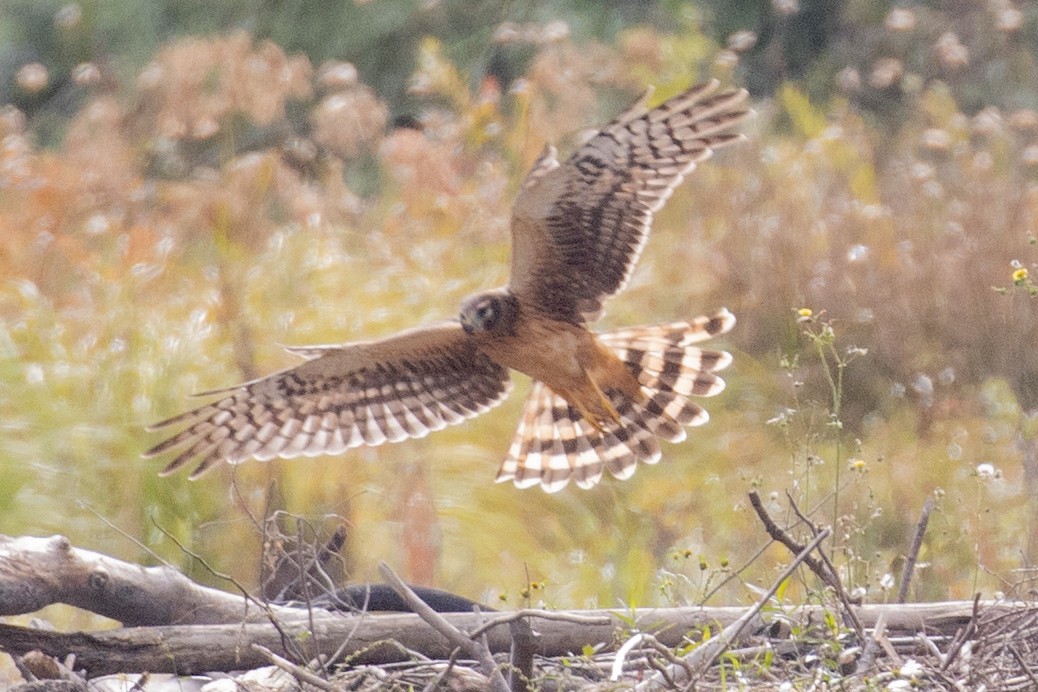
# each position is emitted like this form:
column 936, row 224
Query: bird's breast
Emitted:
column 548, row 350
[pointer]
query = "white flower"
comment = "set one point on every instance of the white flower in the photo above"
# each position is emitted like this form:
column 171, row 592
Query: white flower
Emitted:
column 986, row 471
column 886, row 581
column 910, row 669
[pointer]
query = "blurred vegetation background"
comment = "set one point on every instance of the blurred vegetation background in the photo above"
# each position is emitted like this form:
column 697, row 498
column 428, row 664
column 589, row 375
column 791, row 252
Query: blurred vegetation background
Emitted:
column 184, row 186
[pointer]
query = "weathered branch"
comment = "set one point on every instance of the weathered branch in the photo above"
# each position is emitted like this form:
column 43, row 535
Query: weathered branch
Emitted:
column 913, row 552
column 383, row 638
column 822, row 567
column 780, row 535
column 35, row 572
column 473, row 646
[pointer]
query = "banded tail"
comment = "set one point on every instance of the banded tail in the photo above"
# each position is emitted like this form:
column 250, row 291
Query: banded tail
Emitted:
column 555, row 444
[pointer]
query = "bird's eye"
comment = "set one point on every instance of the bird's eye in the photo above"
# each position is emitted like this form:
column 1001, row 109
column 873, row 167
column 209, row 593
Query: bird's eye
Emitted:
column 486, row 311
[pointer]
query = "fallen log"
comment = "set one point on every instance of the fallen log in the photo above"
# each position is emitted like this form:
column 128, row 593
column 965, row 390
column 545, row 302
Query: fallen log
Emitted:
column 391, row 637
column 183, row 627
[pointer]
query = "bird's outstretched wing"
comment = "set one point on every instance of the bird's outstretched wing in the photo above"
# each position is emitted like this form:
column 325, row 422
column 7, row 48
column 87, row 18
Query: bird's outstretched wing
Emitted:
column 345, row 396
column 578, row 227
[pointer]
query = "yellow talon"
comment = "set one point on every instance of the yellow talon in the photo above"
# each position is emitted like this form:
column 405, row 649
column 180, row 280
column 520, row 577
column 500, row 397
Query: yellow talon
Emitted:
column 604, row 404
column 610, row 409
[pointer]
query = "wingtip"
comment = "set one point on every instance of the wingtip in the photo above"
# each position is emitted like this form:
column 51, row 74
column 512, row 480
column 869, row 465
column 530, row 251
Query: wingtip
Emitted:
column 162, row 447
column 166, row 422
column 740, row 93
column 643, row 100
column 197, row 473
column 170, row 468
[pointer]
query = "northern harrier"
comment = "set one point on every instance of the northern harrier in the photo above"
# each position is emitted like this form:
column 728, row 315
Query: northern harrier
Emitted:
column 599, row 401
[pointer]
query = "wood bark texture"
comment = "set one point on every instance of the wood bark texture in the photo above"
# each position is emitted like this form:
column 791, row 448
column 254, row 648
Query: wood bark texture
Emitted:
column 178, row 626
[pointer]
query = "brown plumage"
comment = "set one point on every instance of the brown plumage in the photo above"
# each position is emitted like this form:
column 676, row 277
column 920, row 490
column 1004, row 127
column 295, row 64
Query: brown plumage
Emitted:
column 600, row 402
column 555, row 444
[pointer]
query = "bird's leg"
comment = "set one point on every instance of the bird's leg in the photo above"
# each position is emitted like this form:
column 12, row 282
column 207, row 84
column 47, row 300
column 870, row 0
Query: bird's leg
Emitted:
column 590, row 417
column 597, row 418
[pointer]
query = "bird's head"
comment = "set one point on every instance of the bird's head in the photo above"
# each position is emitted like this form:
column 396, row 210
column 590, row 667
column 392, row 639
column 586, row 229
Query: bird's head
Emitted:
column 493, row 311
